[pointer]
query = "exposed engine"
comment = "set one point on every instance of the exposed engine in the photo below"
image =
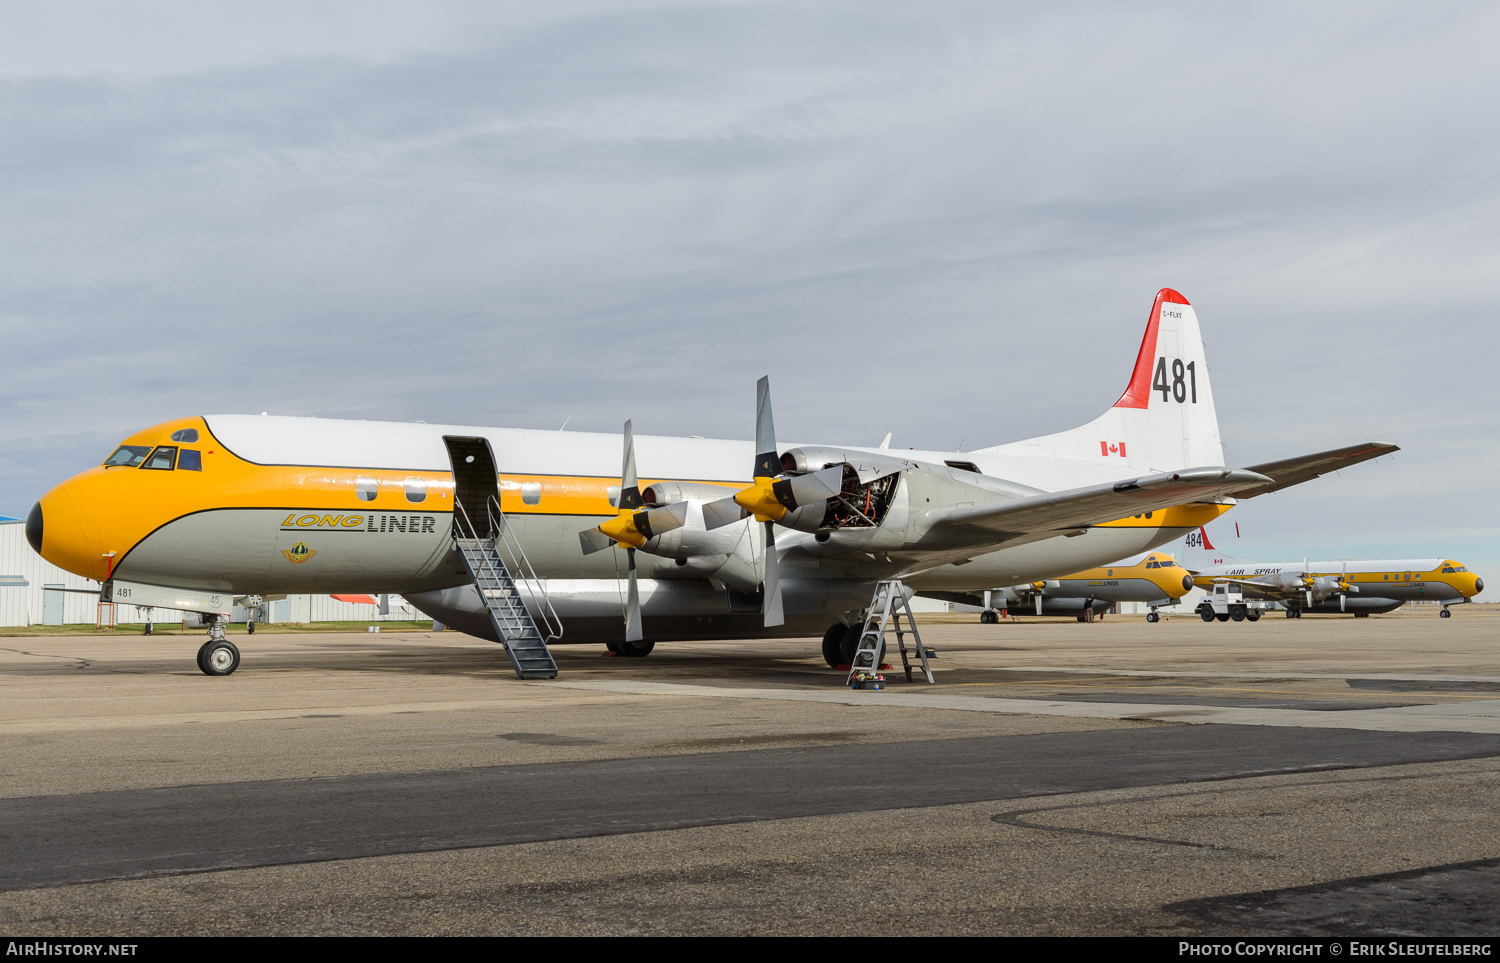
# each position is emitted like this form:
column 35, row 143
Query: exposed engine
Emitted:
column 865, row 495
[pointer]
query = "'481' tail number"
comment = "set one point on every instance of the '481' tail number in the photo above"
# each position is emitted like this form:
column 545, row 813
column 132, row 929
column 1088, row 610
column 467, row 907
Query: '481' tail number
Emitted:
column 1184, row 384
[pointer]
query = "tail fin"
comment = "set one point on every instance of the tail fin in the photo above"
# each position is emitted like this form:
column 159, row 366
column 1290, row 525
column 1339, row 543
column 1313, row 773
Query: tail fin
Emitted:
column 1196, row 552
column 1165, row 420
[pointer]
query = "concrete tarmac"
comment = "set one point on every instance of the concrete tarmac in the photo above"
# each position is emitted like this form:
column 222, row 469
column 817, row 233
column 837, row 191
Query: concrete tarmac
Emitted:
column 1178, row 778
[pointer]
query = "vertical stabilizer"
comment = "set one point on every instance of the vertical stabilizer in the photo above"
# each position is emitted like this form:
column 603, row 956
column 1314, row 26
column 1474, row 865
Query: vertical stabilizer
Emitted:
column 1197, row 552
column 1165, row 420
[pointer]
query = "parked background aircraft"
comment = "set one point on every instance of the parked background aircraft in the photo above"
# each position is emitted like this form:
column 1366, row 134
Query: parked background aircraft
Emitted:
column 192, row 513
column 1156, row 579
column 1361, row 587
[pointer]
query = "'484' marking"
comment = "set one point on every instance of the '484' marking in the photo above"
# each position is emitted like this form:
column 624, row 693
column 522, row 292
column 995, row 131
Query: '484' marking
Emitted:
column 1184, row 384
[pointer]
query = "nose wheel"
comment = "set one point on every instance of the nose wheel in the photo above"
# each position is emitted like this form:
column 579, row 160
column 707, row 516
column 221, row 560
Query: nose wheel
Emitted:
column 218, row 656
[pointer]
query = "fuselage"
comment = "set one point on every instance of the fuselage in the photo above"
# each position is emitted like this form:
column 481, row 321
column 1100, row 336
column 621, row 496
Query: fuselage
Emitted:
column 249, row 504
column 1153, row 578
column 1411, row 579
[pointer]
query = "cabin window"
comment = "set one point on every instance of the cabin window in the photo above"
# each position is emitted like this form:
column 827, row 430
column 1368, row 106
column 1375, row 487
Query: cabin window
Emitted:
column 190, row 459
column 366, row 488
column 416, row 490
column 531, row 493
column 188, row 435
column 162, row 458
column 127, row 456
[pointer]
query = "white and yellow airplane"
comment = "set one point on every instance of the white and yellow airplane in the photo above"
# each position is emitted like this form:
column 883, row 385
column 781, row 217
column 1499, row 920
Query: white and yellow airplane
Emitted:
column 1156, row 579
column 193, row 513
column 1361, row 587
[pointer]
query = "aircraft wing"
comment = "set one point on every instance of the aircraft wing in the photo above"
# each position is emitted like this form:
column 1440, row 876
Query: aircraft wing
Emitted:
column 1035, row 517
column 1295, row 471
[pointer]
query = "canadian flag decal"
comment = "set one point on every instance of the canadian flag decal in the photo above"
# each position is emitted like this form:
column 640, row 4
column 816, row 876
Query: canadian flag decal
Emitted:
column 1107, row 448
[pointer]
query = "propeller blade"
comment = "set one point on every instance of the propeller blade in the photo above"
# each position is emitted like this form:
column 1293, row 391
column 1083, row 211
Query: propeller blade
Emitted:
column 633, row 631
column 767, row 461
column 657, row 521
column 771, row 605
column 630, row 486
column 725, row 511
column 594, row 540
column 815, row 487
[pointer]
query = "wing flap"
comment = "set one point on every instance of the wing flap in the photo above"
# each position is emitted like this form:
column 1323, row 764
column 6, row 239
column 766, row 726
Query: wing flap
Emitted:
column 1294, row 471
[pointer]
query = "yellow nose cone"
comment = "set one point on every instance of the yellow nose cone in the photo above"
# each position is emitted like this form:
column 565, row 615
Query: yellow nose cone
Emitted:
column 69, row 539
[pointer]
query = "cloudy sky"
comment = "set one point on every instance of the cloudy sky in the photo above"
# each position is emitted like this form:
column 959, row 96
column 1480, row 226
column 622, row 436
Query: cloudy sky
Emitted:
column 945, row 220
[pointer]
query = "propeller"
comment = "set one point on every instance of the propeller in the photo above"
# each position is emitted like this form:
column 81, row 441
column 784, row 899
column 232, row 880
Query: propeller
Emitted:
column 770, row 497
column 633, row 527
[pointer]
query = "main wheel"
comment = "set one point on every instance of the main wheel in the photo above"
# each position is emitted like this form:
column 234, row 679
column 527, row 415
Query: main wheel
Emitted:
column 879, row 656
column 636, row 650
column 218, row 657
column 849, row 643
column 833, row 645
column 1361, row 615
column 612, row 647
column 1207, row 613
column 1445, row 614
column 1152, row 616
column 989, row 617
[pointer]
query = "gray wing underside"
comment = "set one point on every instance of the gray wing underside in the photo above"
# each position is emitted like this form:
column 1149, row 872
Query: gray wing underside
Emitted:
column 1294, row 471
column 1060, row 513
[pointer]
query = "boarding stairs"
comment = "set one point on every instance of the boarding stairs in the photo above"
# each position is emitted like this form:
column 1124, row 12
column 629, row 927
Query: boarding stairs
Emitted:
column 494, row 560
column 887, row 608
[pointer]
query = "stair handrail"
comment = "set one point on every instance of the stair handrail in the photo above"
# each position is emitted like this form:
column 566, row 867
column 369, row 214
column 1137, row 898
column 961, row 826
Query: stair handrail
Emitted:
column 486, row 567
column 552, row 627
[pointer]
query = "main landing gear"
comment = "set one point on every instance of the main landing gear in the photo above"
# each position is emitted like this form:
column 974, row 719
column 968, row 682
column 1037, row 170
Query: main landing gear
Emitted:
column 631, row 650
column 989, row 617
column 218, row 656
column 840, row 643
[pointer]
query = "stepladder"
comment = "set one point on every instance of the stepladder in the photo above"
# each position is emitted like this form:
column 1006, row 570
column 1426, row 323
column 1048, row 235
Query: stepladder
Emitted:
column 888, row 607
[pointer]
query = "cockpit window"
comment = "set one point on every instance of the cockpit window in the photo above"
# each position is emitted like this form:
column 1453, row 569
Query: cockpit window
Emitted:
column 162, row 459
column 190, row 459
column 188, row 435
column 127, row 456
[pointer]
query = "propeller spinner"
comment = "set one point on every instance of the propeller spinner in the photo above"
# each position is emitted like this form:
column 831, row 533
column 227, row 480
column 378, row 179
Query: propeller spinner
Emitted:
column 633, row 527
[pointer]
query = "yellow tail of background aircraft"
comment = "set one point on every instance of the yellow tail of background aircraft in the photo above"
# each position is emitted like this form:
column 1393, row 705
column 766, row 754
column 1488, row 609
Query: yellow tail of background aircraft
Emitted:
column 480, row 528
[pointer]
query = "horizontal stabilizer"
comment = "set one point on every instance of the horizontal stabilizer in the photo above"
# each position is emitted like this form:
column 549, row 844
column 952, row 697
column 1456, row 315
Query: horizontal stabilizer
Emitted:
column 1295, row 471
column 1050, row 514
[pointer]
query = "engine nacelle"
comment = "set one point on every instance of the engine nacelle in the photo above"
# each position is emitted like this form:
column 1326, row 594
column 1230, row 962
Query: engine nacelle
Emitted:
column 729, row 554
